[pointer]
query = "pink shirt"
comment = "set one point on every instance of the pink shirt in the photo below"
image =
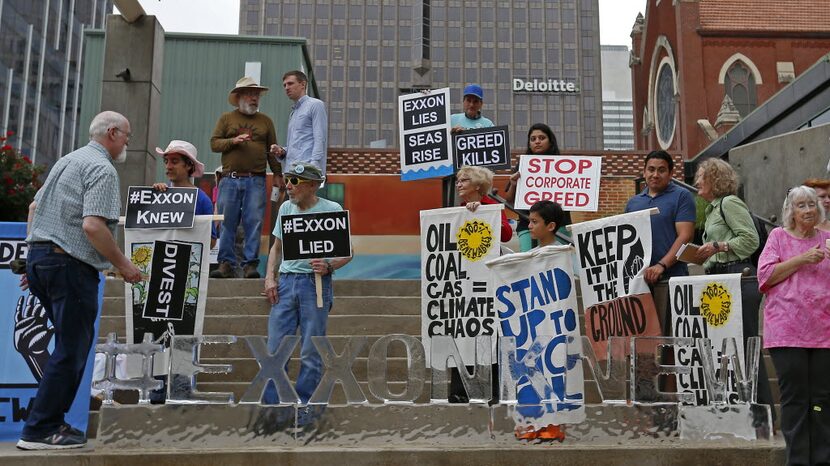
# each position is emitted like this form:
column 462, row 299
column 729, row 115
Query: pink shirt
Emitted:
column 797, row 309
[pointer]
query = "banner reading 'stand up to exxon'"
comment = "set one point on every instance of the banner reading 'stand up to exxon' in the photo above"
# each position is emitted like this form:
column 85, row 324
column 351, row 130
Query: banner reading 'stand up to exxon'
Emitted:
column 456, row 286
column 613, row 254
column 569, row 180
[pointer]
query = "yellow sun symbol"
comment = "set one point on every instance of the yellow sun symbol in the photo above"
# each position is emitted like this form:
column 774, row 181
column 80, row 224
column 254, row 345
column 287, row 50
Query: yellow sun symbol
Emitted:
column 715, row 304
column 474, row 239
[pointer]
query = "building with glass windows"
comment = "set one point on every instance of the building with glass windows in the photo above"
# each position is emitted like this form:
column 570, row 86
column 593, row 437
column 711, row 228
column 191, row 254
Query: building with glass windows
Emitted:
column 700, row 67
column 538, row 61
column 617, row 108
column 40, row 72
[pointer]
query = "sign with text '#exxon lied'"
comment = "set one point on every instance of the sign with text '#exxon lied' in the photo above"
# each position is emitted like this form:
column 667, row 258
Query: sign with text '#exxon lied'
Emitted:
column 321, row 235
column 151, row 208
column 425, row 135
column 569, row 180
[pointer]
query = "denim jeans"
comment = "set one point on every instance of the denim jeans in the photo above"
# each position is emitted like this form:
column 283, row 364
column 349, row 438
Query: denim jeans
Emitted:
column 241, row 199
column 297, row 308
column 68, row 290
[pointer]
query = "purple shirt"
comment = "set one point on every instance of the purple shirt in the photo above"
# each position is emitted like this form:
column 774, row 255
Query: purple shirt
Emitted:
column 797, row 309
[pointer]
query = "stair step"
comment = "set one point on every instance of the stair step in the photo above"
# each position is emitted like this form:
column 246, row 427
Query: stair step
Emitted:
column 230, row 287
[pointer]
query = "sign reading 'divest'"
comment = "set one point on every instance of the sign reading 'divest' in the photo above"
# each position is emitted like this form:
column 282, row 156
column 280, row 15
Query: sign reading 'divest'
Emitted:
column 150, row 208
column 569, row 180
column 321, row 235
column 483, row 147
column 425, row 135
column 553, row 86
column 168, row 281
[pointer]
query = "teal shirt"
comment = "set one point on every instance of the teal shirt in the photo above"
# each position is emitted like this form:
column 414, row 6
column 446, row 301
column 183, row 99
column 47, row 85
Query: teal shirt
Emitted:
column 289, row 208
column 739, row 233
column 460, row 119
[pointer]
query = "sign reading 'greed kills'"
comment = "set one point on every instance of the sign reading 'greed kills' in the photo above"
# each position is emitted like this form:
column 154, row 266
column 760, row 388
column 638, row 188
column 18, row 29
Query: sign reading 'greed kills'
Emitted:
column 569, row 180
column 322, row 235
column 425, row 135
column 482, row 147
column 150, row 208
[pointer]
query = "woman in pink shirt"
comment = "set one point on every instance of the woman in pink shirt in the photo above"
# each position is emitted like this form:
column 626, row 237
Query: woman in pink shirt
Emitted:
column 794, row 273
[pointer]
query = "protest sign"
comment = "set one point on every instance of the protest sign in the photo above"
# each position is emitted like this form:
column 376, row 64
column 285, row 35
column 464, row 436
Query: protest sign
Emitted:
column 26, row 343
column 321, row 235
column 569, row 180
column 613, row 254
column 482, row 147
column 170, row 299
column 424, row 130
column 535, row 296
column 628, row 316
column 710, row 307
column 151, row 208
column 456, row 286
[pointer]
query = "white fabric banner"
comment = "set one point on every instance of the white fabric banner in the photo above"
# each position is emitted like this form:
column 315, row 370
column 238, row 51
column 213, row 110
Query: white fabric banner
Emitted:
column 535, row 296
column 456, row 286
column 706, row 306
column 613, row 255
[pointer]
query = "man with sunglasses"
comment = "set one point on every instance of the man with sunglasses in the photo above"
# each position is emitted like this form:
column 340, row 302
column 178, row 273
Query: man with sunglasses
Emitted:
column 292, row 292
column 247, row 140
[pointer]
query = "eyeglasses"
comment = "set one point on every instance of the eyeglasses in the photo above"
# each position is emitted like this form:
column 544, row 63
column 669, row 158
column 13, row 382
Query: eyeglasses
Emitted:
column 295, row 180
column 463, row 180
column 128, row 134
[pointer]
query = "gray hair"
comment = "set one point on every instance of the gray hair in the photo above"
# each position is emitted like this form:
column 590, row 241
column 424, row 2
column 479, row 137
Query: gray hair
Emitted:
column 793, row 196
column 103, row 122
column 480, row 177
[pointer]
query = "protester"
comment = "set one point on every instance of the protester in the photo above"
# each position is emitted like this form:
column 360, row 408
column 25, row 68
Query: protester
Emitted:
column 71, row 229
column 292, row 292
column 247, row 140
column 730, row 239
column 540, row 141
column 793, row 272
column 822, row 188
column 673, row 226
column 472, row 185
column 307, row 138
column 470, row 118
column 180, row 166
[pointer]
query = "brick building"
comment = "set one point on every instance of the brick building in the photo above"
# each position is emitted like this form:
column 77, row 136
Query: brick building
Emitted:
column 700, row 66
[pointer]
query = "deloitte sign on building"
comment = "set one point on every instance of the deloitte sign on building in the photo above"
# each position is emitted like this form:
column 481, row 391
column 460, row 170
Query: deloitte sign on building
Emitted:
column 554, row 86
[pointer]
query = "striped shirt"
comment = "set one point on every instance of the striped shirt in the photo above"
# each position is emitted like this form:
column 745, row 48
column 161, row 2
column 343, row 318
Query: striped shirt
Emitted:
column 82, row 183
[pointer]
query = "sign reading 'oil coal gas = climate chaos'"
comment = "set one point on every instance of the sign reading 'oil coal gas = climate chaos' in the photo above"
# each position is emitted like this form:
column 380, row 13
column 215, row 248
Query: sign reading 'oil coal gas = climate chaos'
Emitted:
column 151, row 208
column 426, row 150
column 482, row 147
column 320, row 235
column 569, row 180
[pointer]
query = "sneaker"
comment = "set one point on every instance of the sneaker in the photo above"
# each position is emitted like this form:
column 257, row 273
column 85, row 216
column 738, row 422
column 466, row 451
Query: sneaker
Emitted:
column 250, row 271
column 225, row 270
column 65, row 438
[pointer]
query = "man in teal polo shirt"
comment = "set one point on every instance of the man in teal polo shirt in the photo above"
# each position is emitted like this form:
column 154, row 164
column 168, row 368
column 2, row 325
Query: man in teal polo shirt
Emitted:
column 471, row 117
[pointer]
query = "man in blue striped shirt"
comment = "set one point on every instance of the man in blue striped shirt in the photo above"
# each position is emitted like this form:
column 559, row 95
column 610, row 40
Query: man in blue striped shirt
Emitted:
column 308, row 125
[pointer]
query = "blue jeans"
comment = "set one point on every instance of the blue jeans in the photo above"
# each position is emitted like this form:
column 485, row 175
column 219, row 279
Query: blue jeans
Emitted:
column 241, row 199
column 297, row 308
column 68, row 290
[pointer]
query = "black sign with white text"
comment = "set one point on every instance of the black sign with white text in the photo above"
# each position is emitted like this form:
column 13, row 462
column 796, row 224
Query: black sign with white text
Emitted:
column 426, row 147
column 12, row 249
column 150, row 208
column 424, row 111
column 168, row 281
column 482, row 147
column 321, row 235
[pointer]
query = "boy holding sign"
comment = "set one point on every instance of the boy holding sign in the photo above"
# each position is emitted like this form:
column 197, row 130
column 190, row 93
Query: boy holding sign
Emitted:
column 293, row 293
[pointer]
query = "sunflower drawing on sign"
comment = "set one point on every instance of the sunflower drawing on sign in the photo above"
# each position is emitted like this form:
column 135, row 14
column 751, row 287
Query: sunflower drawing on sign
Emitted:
column 141, row 256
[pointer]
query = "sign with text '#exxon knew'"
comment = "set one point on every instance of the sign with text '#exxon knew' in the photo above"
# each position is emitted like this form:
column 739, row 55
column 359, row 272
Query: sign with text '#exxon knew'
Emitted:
column 426, row 150
column 320, row 235
column 151, row 208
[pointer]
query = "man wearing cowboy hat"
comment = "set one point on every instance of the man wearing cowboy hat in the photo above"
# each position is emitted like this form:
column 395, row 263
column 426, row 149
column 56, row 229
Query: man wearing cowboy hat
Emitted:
column 180, row 165
column 247, row 141
column 292, row 292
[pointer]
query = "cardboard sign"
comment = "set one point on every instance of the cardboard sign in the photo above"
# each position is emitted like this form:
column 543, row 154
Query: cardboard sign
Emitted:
column 482, row 147
column 150, row 208
column 168, row 281
column 569, row 180
column 456, row 286
column 424, row 130
column 321, row 235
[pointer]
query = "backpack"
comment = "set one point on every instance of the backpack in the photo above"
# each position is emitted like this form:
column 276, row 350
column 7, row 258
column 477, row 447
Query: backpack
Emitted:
column 760, row 229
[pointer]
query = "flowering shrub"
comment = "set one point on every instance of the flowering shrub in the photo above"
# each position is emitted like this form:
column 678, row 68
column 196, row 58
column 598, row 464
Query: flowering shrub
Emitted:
column 19, row 181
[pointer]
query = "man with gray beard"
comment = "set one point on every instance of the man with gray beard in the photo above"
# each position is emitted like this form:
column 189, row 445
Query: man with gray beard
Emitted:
column 247, row 141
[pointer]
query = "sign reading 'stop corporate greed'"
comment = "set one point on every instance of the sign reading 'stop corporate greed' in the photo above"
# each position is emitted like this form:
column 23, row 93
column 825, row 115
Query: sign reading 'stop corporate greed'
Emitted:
column 425, row 135
column 322, row 235
column 150, row 208
column 569, row 180
column 482, row 147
